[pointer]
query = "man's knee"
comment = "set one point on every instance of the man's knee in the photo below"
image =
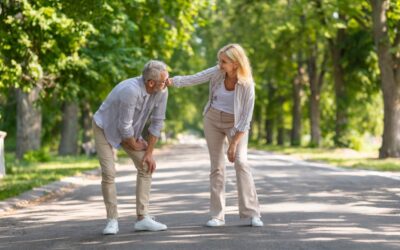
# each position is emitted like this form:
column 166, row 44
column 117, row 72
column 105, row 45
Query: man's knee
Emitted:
column 144, row 173
column 108, row 178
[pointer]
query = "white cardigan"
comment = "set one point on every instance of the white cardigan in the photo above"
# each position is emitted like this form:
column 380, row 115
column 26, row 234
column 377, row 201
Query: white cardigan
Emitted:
column 244, row 94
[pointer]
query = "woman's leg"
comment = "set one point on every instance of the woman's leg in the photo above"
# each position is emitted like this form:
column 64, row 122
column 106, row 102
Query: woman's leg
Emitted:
column 215, row 138
column 248, row 200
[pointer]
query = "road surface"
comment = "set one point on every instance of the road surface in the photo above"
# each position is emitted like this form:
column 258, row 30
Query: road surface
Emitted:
column 304, row 206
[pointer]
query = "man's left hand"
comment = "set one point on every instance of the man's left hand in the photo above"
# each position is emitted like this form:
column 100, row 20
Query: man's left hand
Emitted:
column 150, row 162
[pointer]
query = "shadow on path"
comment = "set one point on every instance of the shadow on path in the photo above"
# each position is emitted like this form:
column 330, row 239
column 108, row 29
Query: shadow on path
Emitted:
column 303, row 207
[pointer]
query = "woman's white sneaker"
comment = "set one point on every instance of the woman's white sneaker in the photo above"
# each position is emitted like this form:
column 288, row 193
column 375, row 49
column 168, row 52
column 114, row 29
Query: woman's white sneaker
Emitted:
column 215, row 223
column 256, row 222
column 111, row 227
column 148, row 224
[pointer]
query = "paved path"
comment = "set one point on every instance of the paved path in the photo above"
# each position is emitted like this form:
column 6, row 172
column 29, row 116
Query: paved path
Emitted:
column 304, row 206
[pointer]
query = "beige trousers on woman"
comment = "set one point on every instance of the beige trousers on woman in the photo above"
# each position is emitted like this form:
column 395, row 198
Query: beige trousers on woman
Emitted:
column 106, row 158
column 217, row 125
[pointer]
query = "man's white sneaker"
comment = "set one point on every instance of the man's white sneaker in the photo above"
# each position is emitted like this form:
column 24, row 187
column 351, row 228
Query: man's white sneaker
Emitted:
column 256, row 222
column 215, row 223
column 111, row 227
column 148, row 224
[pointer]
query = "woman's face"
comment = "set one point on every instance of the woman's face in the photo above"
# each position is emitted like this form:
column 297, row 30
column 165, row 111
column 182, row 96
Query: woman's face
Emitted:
column 226, row 64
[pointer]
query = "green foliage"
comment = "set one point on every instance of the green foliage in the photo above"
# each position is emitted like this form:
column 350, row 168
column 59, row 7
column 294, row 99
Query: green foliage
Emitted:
column 80, row 51
column 38, row 41
column 42, row 155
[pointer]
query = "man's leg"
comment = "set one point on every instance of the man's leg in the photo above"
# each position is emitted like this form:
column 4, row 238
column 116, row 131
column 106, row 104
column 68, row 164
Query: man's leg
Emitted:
column 106, row 159
column 143, row 182
column 143, row 186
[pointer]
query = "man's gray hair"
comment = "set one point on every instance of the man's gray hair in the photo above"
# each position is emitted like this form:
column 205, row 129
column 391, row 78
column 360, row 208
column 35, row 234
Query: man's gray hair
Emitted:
column 153, row 69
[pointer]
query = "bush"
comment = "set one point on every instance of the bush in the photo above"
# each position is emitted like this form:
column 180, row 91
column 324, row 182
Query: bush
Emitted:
column 41, row 155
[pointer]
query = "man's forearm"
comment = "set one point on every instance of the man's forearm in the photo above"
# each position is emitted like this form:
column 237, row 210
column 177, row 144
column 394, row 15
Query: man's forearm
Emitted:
column 130, row 142
column 152, row 140
column 134, row 143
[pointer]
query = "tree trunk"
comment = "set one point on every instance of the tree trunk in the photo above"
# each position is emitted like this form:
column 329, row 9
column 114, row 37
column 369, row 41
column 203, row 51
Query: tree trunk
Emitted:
column 87, row 117
column 314, row 98
column 2, row 162
column 269, row 121
column 390, row 80
column 29, row 121
column 295, row 135
column 251, row 130
column 69, row 133
column 269, row 129
column 281, row 128
column 340, row 91
column 259, row 123
column 256, row 124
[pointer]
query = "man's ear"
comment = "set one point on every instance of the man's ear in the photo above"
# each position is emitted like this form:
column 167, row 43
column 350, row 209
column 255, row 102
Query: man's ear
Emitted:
column 151, row 83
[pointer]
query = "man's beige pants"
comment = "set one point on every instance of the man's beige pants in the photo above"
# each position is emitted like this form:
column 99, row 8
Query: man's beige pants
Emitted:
column 217, row 127
column 108, row 188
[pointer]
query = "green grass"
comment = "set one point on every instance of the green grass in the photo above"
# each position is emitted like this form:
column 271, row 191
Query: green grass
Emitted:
column 341, row 157
column 41, row 167
column 24, row 176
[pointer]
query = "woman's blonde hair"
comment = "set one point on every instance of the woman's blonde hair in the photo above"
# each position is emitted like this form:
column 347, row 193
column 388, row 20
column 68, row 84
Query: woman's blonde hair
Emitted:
column 236, row 53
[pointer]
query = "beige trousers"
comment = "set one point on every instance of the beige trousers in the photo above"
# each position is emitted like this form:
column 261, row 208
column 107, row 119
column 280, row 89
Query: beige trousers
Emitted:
column 217, row 125
column 106, row 158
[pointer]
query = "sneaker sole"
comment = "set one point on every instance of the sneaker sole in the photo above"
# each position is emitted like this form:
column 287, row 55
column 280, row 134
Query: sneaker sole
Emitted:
column 151, row 230
column 220, row 225
column 110, row 233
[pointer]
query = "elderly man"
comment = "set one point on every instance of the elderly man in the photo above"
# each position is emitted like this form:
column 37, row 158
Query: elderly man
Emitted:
column 119, row 122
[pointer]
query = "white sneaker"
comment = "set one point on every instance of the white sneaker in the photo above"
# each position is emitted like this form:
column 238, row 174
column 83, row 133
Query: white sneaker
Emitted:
column 111, row 227
column 256, row 222
column 215, row 223
column 148, row 224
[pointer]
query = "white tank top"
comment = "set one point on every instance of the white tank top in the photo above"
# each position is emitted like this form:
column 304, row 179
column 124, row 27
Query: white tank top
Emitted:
column 223, row 99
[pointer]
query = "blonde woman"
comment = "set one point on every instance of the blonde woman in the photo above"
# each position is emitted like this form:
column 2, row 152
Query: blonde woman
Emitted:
column 227, row 115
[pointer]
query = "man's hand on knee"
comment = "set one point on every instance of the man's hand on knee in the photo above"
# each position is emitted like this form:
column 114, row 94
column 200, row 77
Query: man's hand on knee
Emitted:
column 149, row 161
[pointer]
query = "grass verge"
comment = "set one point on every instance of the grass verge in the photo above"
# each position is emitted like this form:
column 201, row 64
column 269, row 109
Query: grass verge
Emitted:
column 342, row 157
column 24, row 176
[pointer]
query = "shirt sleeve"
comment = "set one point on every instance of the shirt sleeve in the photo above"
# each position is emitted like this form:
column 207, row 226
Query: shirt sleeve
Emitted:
column 198, row 78
column 127, row 107
column 158, row 115
column 246, row 114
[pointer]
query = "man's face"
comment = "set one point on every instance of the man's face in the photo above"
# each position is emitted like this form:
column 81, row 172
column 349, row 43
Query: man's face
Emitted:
column 154, row 86
column 160, row 85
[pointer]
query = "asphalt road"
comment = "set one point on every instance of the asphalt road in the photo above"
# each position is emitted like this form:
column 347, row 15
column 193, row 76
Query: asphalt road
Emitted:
column 304, row 206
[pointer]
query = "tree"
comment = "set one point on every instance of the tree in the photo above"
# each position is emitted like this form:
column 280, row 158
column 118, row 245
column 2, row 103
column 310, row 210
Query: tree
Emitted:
column 37, row 41
column 386, row 33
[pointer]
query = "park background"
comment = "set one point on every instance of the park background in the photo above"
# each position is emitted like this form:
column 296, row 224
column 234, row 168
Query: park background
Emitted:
column 326, row 71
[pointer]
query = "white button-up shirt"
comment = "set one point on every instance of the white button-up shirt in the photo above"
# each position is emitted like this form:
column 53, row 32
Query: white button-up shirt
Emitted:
column 127, row 108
